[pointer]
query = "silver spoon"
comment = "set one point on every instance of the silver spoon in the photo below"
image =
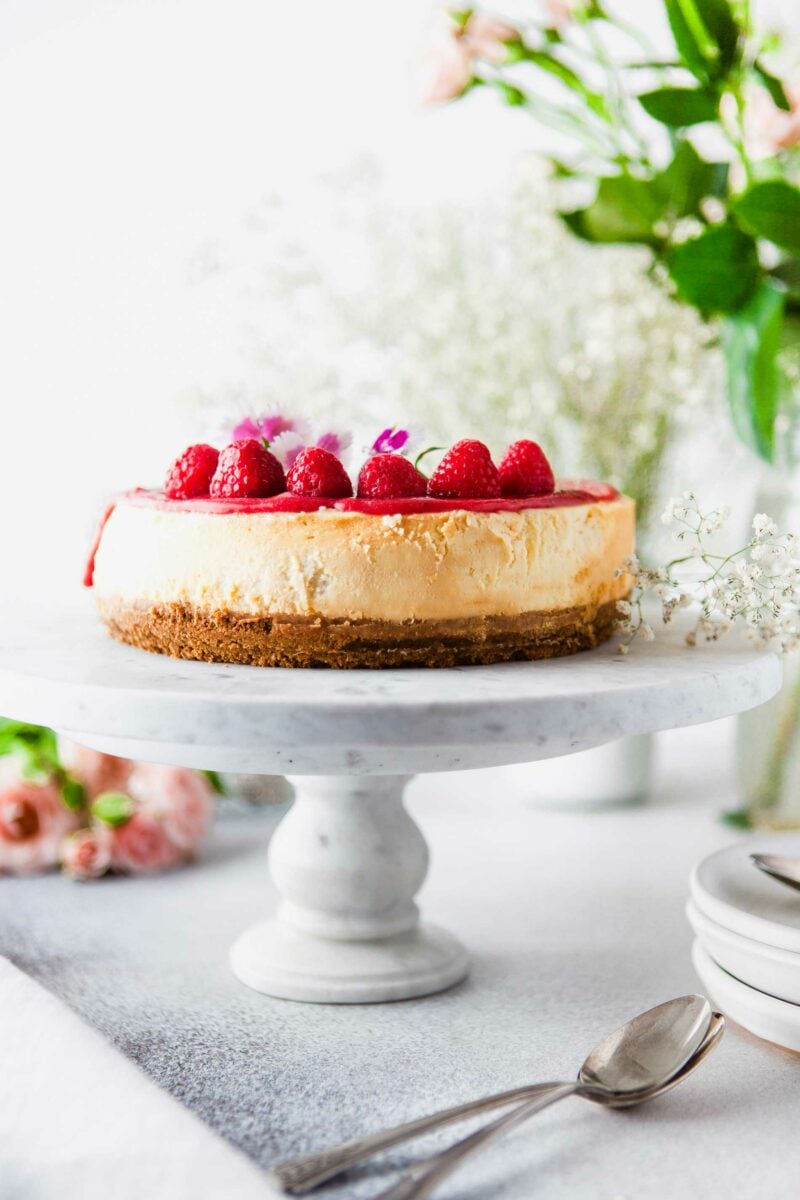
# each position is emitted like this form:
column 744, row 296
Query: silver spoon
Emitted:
column 302, row 1174
column 785, row 870
column 642, row 1060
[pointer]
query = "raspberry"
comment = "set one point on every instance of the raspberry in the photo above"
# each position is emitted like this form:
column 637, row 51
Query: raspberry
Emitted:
column 525, row 471
column 465, row 473
column 191, row 473
column 246, row 468
column 317, row 472
column 390, row 476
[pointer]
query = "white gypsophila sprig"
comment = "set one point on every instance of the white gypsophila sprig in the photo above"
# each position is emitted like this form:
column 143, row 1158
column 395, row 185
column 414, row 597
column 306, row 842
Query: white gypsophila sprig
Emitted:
column 487, row 320
column 755, row 587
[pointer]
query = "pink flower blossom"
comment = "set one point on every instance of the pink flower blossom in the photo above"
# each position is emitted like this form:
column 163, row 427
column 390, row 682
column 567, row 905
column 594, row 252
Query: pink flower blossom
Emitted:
column 288, row 445
column 269, row 426
column 97, row 772
column 334, row 443
column 486, row 37
column 142, row 844
column 446, row 67
column 559, row 13
column 181, row 799
column 767, row 128
column 33, row 822
column 87, row 853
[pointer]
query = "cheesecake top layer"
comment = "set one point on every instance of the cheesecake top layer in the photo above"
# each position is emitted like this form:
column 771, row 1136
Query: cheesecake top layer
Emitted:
column 352, row 559
column 568, row 492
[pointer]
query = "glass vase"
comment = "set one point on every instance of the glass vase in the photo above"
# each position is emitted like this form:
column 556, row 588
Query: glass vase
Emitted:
column 768, row 738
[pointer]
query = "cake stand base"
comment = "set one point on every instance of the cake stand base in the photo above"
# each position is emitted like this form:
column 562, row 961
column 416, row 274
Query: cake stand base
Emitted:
column 348, row 860
column 276, row 959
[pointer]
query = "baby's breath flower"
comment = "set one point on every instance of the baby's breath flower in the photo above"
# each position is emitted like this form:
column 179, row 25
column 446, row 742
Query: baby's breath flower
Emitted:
column 764, row 526
column 756, row 586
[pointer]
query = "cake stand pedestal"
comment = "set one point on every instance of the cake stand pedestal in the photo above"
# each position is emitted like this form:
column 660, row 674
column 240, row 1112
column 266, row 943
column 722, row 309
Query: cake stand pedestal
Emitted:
column 348, row 860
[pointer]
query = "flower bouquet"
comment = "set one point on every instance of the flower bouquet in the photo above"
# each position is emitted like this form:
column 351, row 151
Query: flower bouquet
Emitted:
column 91, row 813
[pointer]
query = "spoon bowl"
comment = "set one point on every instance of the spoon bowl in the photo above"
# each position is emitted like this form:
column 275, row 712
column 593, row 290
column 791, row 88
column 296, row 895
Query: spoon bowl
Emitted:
column 650, row 1049
column 779, row 866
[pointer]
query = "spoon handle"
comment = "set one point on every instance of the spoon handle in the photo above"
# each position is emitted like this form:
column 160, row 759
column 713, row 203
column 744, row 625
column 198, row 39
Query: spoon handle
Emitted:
column 420, row 1181
column 298, row 1175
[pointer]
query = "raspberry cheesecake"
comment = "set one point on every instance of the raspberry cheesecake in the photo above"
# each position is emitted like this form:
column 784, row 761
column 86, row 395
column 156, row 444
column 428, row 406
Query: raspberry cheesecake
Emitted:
column 233, row 561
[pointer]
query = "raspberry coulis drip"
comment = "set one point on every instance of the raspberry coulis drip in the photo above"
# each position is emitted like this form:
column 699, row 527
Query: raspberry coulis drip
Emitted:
column 568, row 493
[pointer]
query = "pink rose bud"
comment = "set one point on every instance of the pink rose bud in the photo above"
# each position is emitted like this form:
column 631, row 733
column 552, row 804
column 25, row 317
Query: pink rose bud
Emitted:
column 142, row 844
column 97, row 772
column 33, row 822
column 87, row 853
column 183, row 800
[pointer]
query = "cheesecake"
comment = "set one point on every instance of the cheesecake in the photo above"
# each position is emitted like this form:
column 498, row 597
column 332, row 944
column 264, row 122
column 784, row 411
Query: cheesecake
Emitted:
column 306, row 580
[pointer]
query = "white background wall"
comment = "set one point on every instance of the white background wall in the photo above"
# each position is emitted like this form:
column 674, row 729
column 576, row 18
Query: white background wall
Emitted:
column 132, row 132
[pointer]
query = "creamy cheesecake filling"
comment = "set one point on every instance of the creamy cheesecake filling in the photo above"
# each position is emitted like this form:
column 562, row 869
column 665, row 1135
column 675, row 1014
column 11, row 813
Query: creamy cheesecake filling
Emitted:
column 424, row 566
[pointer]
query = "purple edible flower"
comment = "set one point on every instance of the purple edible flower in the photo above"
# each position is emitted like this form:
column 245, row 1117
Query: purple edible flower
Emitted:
column 391, row 441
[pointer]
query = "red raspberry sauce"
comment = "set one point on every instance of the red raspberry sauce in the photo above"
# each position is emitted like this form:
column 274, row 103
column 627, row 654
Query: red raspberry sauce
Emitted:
column 568, row 492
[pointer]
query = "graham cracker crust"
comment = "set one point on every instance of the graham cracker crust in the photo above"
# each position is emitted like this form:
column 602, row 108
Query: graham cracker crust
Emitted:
column 182, row 631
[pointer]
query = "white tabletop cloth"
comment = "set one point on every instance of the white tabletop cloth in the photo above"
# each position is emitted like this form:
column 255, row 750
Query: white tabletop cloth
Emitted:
column 78, row 1121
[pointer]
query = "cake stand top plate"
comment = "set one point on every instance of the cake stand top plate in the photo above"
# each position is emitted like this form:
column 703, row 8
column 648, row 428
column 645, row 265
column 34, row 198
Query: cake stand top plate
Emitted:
column 61, row 669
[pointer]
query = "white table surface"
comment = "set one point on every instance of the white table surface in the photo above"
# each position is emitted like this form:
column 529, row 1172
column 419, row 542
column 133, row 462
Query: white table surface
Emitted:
column 593, row 930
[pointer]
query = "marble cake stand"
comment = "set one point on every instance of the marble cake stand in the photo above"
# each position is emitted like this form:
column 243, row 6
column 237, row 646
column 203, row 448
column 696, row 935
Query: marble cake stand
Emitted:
column 348, row 860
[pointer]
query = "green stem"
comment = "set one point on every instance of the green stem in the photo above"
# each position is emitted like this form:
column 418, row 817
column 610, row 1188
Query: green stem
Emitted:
column 770, row 788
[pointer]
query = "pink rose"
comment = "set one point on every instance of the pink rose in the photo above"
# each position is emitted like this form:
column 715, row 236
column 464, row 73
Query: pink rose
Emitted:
column 33, row 823
column 87, row 853
column 97, row 772
column 142, row 844
column 183, row 800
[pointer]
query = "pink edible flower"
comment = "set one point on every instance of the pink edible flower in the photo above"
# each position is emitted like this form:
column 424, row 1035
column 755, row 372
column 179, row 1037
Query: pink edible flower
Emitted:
column 182, row 800
column 334, row 443
column 268, row 426
column 33, row 822
column 142, row 845
column 287, row 446
column 87, row 853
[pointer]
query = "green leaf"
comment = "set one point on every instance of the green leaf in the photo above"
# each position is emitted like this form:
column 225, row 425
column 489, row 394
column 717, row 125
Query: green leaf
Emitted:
column 718, row 271
column 788, row 274
column 512, row 95
column 687, row 180
column 706, row 35
column 73, row 793
column 679, row 107
column 215, row 780
column 737, row 818
column 553, row 66
column 624, row 210
column 771, row 210
column 751, row 340
column 113, row 808
column 773, row 86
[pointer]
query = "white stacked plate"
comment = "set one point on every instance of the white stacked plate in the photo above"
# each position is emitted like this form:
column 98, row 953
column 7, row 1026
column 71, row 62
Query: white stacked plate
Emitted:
column 747, row 951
